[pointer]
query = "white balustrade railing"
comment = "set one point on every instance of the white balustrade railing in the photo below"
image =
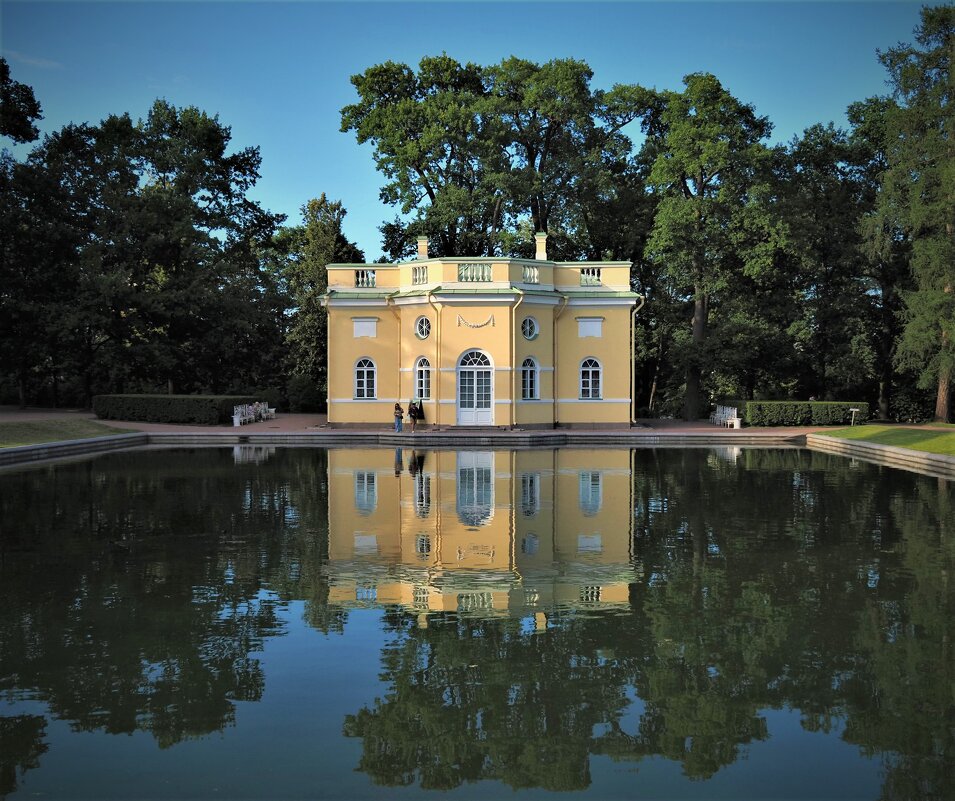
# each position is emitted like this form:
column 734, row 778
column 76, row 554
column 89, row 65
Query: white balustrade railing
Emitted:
column 589, row 276
column 365, row 278
column 419, row 274
column 474, row 271
column 530, row 274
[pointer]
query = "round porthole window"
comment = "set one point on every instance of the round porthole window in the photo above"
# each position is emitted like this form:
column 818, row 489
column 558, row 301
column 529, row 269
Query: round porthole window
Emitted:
column 529, row 328
column 422, row 328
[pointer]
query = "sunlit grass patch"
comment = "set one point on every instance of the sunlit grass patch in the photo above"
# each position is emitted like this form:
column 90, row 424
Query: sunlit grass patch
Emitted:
column 36, row 432
column 937, row 439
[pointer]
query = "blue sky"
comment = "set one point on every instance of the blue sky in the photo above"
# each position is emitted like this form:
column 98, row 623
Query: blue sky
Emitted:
column 278, row 73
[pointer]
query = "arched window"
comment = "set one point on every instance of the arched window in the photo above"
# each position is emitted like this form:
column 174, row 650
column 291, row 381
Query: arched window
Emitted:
column 365, row 385
column 590, row 388
column 474, row 358
column 422, row 379
column 530, row 386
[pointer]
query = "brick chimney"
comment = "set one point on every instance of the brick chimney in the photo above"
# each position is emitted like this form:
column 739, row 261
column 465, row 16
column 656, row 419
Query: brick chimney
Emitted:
column 422, row 247
column 541, row 240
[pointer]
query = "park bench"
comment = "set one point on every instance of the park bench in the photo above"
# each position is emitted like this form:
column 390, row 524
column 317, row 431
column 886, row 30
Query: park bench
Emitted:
column 726, row 416
column 251, row 413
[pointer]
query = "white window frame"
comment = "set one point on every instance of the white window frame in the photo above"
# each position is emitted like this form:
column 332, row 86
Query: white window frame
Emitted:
column 366, row 491
column 530, row 328
column 422, row 327
column 530, row 379
column 364, row 368
column 530, row 494
column 591, row 483
column 422, row 378
column 590, row 367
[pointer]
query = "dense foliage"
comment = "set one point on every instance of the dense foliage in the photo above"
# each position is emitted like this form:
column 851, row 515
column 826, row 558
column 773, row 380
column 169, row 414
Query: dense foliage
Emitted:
column 802, row 413
column 134, row 260
column 209, row 410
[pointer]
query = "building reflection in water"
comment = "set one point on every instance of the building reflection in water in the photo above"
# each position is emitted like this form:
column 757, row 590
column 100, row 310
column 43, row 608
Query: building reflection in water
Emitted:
column 480, row 532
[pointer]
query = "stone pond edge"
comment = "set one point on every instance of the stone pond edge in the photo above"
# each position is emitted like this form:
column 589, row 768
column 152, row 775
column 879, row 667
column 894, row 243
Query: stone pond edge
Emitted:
column 918, row 461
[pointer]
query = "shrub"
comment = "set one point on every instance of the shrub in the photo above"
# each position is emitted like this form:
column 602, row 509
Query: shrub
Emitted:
column 800, row 413
column 304, row 395
column 208, row 410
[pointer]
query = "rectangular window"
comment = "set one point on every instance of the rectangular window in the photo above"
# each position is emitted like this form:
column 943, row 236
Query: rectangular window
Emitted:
column 529, row 390
column 530, row 494
column 423, row 383
column 591, row 491
column 365, row 382
column 366, row 491
column 590, row 327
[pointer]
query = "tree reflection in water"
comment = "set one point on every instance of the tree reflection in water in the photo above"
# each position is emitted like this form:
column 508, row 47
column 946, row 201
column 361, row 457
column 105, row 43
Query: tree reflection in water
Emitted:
column 773, row 580
column 136, row 590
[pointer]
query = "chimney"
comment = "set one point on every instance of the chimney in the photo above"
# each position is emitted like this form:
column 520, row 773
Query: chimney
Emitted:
column 422, row 247
column 541, row 240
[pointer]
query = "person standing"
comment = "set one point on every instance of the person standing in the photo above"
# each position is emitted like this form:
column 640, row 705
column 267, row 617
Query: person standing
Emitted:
column 413, row 414
column 399, row 415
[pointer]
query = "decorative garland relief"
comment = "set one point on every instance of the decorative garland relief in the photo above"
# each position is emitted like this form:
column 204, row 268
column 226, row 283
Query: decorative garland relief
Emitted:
column 489, row 321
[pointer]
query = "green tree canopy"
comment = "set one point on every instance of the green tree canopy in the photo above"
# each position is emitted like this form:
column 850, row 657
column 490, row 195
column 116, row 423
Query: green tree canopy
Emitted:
column 920, row 183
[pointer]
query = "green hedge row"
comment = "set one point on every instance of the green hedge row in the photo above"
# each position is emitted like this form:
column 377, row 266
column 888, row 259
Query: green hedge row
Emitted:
column 800, row 413
column 206, row 410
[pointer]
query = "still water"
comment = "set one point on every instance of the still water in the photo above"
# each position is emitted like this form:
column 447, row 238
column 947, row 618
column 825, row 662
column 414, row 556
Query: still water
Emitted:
column 302, row 623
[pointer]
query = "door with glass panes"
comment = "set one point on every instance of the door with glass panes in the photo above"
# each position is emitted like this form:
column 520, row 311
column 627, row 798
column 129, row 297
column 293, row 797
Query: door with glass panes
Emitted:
column 475, row 389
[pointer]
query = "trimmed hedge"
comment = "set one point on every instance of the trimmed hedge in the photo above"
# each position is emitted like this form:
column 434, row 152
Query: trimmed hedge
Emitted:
column 204, row 410
column 800, row 413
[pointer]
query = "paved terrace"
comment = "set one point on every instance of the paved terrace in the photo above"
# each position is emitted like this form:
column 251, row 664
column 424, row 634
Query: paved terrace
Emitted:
column 311, row 430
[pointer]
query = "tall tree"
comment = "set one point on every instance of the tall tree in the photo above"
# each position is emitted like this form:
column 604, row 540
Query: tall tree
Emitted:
column 303, row 253
column 713, row 221
column 920, row 182
column 427, row 132
column 18, row 108
column 883, row 245
column 824, row 198
column 131, row 263
column 479, row 158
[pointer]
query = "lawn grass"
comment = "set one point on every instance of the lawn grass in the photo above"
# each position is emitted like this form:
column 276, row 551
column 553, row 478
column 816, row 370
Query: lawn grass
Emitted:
column 36, row 432
column 937, row 439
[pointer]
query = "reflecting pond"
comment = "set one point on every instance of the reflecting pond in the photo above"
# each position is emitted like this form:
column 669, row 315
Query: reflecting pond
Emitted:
column 301, row 623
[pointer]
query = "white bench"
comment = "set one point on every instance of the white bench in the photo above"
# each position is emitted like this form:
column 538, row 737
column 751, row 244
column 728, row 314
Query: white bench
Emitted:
column 251, row 413
column 726, row 416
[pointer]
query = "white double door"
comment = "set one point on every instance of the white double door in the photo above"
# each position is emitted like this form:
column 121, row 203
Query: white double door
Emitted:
column 475, row 389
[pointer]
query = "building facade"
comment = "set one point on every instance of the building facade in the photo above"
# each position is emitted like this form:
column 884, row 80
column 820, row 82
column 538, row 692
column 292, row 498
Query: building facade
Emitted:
column 519, row 343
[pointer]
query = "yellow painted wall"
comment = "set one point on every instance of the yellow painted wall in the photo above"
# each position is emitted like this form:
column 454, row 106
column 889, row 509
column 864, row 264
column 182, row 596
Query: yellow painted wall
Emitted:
column 487, row 317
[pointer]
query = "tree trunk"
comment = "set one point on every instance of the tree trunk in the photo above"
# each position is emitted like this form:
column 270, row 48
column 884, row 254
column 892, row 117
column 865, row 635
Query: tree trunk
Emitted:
column 943, row 397
column 693, row 400
column 884, row 384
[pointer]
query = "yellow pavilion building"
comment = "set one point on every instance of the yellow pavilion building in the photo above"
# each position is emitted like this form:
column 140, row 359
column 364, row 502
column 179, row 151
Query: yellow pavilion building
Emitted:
column 518, row 343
